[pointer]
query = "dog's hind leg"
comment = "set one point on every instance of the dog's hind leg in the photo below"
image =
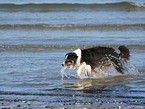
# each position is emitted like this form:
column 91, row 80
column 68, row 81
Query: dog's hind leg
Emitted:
column 118, row 65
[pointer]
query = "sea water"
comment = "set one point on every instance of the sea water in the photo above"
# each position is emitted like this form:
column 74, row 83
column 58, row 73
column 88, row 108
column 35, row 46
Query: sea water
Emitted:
column 35, row 36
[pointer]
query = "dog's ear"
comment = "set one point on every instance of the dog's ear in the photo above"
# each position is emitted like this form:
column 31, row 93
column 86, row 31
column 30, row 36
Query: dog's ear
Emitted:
column 67, row 54
column 71, row 55
column 74, row 55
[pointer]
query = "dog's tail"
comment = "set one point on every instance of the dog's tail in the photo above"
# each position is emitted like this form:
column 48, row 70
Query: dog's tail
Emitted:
column 124, row 52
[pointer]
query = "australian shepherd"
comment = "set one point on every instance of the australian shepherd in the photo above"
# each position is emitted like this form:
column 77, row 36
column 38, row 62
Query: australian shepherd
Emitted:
column 97, row 57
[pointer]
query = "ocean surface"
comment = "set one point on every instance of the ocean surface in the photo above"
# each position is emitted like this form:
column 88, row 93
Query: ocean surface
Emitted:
column 35, row 35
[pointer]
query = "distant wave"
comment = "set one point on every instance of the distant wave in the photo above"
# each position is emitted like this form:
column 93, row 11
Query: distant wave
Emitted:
column 63, row 47
column 73, row 5
column 101, row 27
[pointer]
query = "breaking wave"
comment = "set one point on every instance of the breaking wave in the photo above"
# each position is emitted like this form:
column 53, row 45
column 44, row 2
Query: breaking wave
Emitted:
column 73, row 5
column 101, row 27
column 65, row 47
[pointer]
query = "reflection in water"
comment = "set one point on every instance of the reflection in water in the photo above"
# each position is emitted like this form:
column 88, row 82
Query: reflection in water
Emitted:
column 116, row 91
column 104, row 83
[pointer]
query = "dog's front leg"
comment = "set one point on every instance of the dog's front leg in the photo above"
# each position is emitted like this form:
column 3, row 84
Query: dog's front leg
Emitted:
column 84, row 67
column 79, row 71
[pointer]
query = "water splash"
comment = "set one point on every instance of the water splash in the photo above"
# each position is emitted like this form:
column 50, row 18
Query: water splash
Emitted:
column 109, row 71
column 131, row 69
column 68, row 74
column 62, row 72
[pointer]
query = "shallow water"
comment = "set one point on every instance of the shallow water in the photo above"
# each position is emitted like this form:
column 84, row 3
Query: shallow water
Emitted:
column 33, row 76
column 36, row 35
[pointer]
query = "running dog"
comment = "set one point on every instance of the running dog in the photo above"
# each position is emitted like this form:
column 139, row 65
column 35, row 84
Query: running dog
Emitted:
column 97, row 57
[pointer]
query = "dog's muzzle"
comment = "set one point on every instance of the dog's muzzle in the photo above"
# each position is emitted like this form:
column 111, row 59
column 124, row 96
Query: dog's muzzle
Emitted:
column 67, row 63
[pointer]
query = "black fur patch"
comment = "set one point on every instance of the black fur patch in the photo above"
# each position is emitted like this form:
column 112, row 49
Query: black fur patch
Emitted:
column 104, row 56
column 71, row 58
column 100, row 57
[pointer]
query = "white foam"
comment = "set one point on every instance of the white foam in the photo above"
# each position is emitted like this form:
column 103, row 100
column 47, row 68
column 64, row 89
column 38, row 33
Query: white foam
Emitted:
column 138, row 4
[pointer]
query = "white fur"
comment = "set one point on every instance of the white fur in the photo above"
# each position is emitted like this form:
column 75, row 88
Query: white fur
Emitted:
column 83, row 67
column 80, row 66
column 66, row 57
column 79, row 54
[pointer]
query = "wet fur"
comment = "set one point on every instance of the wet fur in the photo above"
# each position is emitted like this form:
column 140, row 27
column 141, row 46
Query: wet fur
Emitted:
column 97, row 57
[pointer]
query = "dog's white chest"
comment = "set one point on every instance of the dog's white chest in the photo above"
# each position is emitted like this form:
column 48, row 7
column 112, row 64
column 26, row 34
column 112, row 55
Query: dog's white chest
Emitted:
column 83, row 67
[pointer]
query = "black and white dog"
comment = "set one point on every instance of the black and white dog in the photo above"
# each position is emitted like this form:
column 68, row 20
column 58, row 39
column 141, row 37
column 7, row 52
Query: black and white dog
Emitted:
column 96, row 57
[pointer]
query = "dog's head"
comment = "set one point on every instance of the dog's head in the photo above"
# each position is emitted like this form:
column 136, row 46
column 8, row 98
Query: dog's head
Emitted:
column 70, row 59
